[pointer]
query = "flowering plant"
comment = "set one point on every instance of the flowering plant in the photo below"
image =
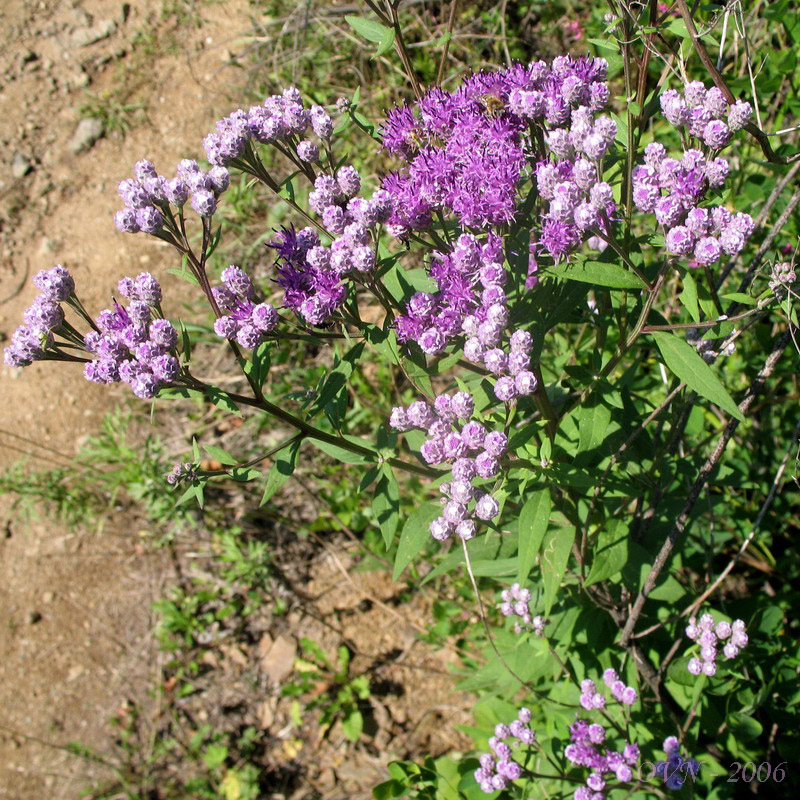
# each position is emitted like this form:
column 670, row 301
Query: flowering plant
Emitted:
column 545, row 270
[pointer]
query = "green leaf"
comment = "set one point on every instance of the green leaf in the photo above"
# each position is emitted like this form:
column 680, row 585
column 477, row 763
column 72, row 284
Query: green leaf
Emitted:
column 352, row 725
column 245, row 474
column 341, row 453
column 337, row 378
column 386, row 505
column 533, row 519
column 215, row 755
column 610, row 553
column 744, row 727
column 386, row 43
column 416, row 533
column 443, row 39
column 685, row 362
column 388, row 789
column 218, row 454
column 221, row 400
column 554, row 564
column 689, row 296
column 369, row 29
column 678, row 672
column 593, row 422
column 282, row 469
column 598, row 273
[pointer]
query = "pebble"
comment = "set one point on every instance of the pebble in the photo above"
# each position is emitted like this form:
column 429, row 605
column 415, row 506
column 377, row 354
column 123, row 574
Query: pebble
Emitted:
column 83, row 37
column 20, row 166
column 89, row 130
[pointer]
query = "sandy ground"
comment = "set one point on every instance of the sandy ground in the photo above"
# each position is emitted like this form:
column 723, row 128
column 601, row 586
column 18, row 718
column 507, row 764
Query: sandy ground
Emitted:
column 75, row 620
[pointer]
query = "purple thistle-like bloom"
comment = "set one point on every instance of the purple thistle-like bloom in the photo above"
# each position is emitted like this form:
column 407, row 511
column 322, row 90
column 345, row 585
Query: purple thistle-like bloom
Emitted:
column 739, row 115
column 716, row 134
column 176, row 191
column 125, row 220
column 204, row 202
column 707, row 251
column 55, row 284
column 680, row 240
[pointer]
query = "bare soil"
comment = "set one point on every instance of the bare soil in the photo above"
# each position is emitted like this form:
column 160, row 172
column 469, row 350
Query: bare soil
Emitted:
column 76, row 626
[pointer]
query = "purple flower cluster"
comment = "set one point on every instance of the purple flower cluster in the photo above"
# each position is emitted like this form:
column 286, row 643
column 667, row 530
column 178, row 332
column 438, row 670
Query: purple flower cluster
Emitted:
column 465, row 151
column 498, row 768
column 578, row 202
column 282, row 118
column 703, row 234
column 31, row 339
column 592, row 699
column 312, row 275
column 705, row 113
column 148, row 195
column 133, row 344
column 675, row 769
column 516, row 604
column 782, row 276
column 510, row 362
column 247, row 322
column 584, row 750
column 473, row 452
column 432, row 319
column 182, row 473
column 708, row 636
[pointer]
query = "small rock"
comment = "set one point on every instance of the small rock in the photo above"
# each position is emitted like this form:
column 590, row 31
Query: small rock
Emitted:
column 48, row 597
column 89, row 130
column 83, row 37
column 20, row 166
column 34, row 617
column 278, row 661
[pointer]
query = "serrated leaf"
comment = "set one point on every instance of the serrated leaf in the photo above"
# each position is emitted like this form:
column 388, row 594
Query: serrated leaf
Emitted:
column 372, row 31
column 610, row 552
column 685, row 362
column 598, row 273
column 554, row 564
column 281, row 470
column 416, row 533
column 218, row 454
column 533, row 519
column 386, row 505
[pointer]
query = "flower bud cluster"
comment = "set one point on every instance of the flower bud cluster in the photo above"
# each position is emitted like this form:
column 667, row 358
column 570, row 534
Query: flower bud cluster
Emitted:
column 782, row 276
column 148, row 195
column 134, row 344
column 708, row 636
column 247, row 322
column 314, row 276
column 703, row 234
column 473, row 452
column 516, row 603
column 676, row 769
column 705, row 113
column 578, row 202
column 510, row 362
column 433, row 319
column 182, row 473
column 498, row 768
column 281, row 118
column 30, row 340
column 592, row 699
column 586, row 750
